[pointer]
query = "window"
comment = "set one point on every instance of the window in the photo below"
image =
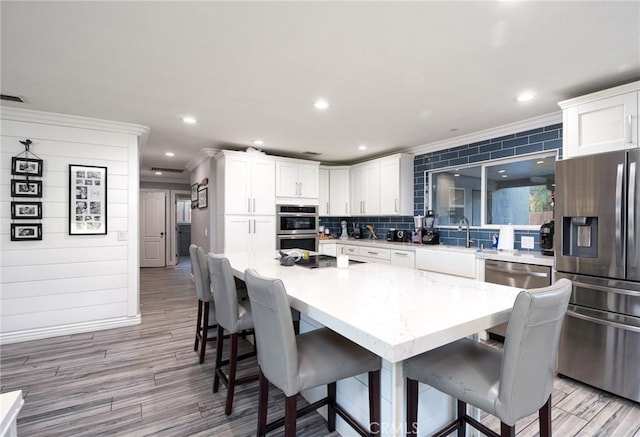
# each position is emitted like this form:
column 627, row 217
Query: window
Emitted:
column 183, row 211
column 516, row 190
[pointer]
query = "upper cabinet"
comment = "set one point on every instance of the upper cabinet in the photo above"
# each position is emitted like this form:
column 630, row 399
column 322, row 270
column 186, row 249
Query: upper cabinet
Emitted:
column 334, row 191
column 602, row 121
column 297, row 181
column 246, row 183
column 383, row 186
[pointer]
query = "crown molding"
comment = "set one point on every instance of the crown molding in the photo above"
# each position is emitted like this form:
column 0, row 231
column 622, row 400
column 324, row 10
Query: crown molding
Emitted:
column 610, row 92
column 204, row 154
column 511, row 128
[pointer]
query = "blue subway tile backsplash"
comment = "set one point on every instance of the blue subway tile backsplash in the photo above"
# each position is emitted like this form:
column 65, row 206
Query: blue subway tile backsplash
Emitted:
column 529, row 141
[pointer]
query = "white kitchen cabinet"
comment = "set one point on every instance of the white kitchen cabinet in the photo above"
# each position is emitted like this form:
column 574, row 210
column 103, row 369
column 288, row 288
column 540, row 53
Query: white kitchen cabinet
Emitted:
column 329, row 249
column 365, row 188
column 403, row 258
column 345, row 249
column 450, row 261
column 334, row 191
column 297, row 180
column 246, row 183
column 396, row 185
column 600, row 122
column 245, row 233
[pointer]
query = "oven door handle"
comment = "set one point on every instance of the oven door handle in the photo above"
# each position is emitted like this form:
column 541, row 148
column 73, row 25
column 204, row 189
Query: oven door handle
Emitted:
column 599, row 321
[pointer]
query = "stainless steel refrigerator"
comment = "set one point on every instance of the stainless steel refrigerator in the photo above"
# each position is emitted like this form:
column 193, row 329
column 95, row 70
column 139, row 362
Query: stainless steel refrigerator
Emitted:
column 598, row 248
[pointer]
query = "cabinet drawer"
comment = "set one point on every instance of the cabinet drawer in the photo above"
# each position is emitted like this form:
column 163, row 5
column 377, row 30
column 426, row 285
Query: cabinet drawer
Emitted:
column 348, row 250
column 374, row 252
column 403, row 258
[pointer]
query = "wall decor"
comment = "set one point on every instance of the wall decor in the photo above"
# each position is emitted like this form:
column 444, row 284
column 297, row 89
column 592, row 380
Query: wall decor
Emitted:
column 194, row 192
column 202, row 197
column 26, row 188
column 26, row 210
column 26, row 166
column 87, row 200
column 26, row 231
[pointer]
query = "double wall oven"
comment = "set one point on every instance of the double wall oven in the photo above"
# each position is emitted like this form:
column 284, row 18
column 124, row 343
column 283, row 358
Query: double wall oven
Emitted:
column 297, row 227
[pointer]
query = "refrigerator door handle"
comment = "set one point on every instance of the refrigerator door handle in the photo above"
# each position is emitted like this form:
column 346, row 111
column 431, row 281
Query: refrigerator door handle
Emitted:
column 618, row 214
column 631, row 217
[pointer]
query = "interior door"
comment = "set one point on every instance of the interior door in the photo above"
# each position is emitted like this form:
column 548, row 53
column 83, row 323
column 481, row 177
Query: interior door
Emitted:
column 152, row 229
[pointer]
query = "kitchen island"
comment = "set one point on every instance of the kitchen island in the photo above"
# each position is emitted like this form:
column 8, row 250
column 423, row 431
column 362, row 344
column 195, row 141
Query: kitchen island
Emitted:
column 394, row 312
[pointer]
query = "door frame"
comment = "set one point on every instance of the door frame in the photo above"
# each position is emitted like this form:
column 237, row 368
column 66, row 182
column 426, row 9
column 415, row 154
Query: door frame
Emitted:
column 172, row 259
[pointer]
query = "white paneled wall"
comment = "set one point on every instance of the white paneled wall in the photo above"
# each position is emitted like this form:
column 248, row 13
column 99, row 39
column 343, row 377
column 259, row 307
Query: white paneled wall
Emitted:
column 67, row 284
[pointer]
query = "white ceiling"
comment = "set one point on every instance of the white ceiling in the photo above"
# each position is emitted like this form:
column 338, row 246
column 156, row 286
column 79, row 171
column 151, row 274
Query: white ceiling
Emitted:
column 396, row 74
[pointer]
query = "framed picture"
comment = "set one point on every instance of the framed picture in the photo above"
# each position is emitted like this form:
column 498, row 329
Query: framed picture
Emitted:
column 194, row 192
column 87, row 200
column 26, row 231
column 202, row 197
column 25, row 188
column 26, row 166
column 26, row 210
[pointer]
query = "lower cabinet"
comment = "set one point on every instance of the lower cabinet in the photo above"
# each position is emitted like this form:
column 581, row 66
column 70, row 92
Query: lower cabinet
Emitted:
column 249, row 233
column 447, row 261
column 403, row 258
column 374, row 254
column 328, row 249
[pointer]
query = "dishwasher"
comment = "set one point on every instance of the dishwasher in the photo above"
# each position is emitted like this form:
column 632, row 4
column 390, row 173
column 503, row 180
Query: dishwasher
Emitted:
column 525, row 276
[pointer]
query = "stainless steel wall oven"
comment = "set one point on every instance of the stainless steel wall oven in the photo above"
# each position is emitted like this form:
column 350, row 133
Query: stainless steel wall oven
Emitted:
column 297, row 227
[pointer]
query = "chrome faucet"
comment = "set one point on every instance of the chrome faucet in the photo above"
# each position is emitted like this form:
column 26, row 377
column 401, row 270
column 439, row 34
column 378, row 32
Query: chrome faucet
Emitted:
column 465, row 220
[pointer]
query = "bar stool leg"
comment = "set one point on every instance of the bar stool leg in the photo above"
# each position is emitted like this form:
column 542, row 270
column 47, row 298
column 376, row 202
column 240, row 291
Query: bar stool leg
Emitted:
column 219, row 345
column 412, row 407
column 462, row 412
column 263, row 400
column 205, row 331
column 231, row 385
column 506, row 430
column 374, row 402
column 544, row 418
column 331, row 407
column 198, row 325
column 290, row 413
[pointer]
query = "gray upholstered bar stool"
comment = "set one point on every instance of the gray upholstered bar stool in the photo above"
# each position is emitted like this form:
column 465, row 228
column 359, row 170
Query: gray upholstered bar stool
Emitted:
column 509, row 384
column 232, row 316
column 206, row 307
column 295, row 363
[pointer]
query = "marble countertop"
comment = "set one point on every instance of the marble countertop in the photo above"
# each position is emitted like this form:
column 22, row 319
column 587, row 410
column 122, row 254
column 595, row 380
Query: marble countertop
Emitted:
column 394, row 312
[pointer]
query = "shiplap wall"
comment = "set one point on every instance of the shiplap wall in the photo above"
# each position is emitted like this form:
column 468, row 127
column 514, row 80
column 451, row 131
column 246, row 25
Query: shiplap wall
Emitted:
column 68, row 284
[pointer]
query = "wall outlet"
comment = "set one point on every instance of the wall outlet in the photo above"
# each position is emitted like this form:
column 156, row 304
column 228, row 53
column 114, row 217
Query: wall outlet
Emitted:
column 526, row 242
column 122, row 235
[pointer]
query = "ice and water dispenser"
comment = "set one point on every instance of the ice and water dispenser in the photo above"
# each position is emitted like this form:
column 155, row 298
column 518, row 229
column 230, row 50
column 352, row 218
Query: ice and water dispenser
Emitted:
column 580, row 236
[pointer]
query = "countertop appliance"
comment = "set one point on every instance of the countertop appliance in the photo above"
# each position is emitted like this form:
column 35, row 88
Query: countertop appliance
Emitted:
column 429, row 233
column 525, row 276
column 401, row 235
column 598, row 248
column 546, row 238
column 297, row 227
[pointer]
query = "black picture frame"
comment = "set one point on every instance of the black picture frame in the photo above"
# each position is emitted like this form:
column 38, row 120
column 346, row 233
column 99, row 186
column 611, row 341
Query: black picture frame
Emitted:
column 26, row 231
column 26, row 188
column 26, row 210
column 194, row 192
column 203, row 197
column 87, row 200
column 26, row 166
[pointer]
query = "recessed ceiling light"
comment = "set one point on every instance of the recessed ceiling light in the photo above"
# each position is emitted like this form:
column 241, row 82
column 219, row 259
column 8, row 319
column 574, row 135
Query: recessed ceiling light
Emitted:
column 257, row 142
column 540, row 162
column 525, row 97
column 505, row 176
column 170, row 154
column 456, row 174
column 362, row 147
column 321, row 104
column 159, row 173
column 501, row 171
column 189, row 120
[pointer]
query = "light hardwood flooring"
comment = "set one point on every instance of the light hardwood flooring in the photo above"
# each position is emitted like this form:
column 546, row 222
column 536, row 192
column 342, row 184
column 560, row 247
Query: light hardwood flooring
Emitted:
column 146, row 380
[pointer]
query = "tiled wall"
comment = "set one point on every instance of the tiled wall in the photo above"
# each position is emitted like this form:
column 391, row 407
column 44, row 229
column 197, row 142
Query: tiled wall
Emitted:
column 531, row 141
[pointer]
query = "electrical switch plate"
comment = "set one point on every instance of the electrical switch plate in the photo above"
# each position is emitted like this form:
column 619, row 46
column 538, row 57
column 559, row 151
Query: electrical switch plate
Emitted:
column 122, row 235
column 526, row 242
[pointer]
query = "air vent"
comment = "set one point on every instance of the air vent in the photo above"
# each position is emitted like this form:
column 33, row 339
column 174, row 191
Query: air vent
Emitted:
column 312, row 153
column 11, row 98
column 167, row 170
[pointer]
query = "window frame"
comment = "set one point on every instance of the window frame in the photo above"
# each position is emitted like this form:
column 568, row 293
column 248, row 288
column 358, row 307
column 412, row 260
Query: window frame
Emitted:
column 428, row 183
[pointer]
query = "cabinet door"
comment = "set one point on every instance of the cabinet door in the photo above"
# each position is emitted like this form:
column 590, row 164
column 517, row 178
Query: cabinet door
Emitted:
column 403, row 258
column 263, row 186
column 263, row 233
column 339, row 192
column 237, row 233
column 237, row 191
column 308, row 180
column 323, row 192
column 390, row 186
column 602, row 125
column 287, row 179
column 372, row 189
column 356, row 178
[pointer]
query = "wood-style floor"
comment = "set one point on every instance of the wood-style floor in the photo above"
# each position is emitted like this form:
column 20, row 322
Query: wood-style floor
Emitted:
column 146, row 380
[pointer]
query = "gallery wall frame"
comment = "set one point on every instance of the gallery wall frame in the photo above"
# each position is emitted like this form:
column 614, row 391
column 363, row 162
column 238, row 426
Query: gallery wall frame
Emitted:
column 26, row 188
column 26, row 210
column 87, row 200
column 203, row 197
column 26, row 166
column 26, row 231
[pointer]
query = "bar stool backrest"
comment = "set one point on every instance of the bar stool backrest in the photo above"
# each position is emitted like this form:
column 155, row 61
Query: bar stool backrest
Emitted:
column 276, row 341
column 225, row 293
column 200, row 273
column 530, row 350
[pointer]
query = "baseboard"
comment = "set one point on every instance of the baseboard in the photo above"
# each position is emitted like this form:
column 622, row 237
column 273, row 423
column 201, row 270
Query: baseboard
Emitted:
column 75, row 328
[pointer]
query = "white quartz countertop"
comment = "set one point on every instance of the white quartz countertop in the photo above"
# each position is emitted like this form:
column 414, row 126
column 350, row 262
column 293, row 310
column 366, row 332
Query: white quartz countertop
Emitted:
column 394, row 312
column 375, row 243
